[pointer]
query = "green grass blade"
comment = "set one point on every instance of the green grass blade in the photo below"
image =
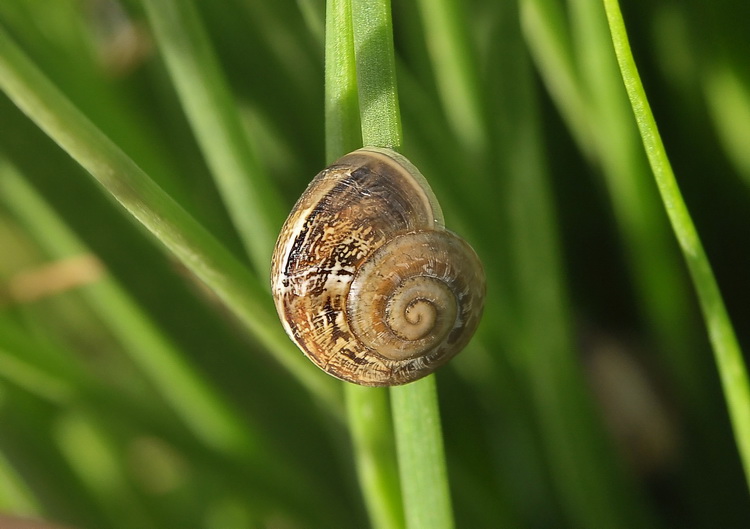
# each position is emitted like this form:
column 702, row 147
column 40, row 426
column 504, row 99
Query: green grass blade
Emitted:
column 645, row 231
column 243, row 293
column 416, row 427
column 372, row 436
column 728, row 98
column 421, row 457
column 727, row 352
column 368, row 408
column 252, row 202
column 544, row 26
column 343, row 128
column 376, row 73
column 451, row 49
column 15, row 497
column 452, row 57
column 34, row 380
column 312, row 14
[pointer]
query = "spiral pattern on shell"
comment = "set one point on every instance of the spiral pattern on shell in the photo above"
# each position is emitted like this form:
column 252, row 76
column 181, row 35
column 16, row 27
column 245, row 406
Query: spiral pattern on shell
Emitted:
column 366, row 279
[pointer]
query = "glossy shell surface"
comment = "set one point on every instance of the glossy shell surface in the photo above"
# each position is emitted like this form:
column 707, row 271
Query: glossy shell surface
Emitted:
column 366, row 279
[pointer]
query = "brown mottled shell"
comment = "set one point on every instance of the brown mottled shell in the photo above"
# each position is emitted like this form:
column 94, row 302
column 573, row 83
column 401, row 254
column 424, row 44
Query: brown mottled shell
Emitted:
column 366, row 279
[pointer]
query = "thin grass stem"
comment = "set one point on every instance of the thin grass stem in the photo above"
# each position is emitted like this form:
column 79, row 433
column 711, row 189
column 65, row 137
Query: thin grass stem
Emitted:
column 368, row 408
column 376, row 73
column 728, row 355
column 415, row 407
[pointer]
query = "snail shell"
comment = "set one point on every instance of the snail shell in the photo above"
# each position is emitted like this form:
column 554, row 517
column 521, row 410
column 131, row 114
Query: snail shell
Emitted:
column 366, row 279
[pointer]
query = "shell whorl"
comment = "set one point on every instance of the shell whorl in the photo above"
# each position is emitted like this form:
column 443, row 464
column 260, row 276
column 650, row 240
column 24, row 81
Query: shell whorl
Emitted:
column 366, row 279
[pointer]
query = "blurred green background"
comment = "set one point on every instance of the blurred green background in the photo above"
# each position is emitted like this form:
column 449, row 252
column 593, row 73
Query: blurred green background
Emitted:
column 516, row 114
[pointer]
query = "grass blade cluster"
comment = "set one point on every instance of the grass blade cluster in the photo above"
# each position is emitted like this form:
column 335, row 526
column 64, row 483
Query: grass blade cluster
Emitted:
column 174, row 227
column 134, row 380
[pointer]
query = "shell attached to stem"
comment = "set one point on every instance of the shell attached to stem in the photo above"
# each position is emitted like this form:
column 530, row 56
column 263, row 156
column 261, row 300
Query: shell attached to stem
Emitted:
column 366, row 279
